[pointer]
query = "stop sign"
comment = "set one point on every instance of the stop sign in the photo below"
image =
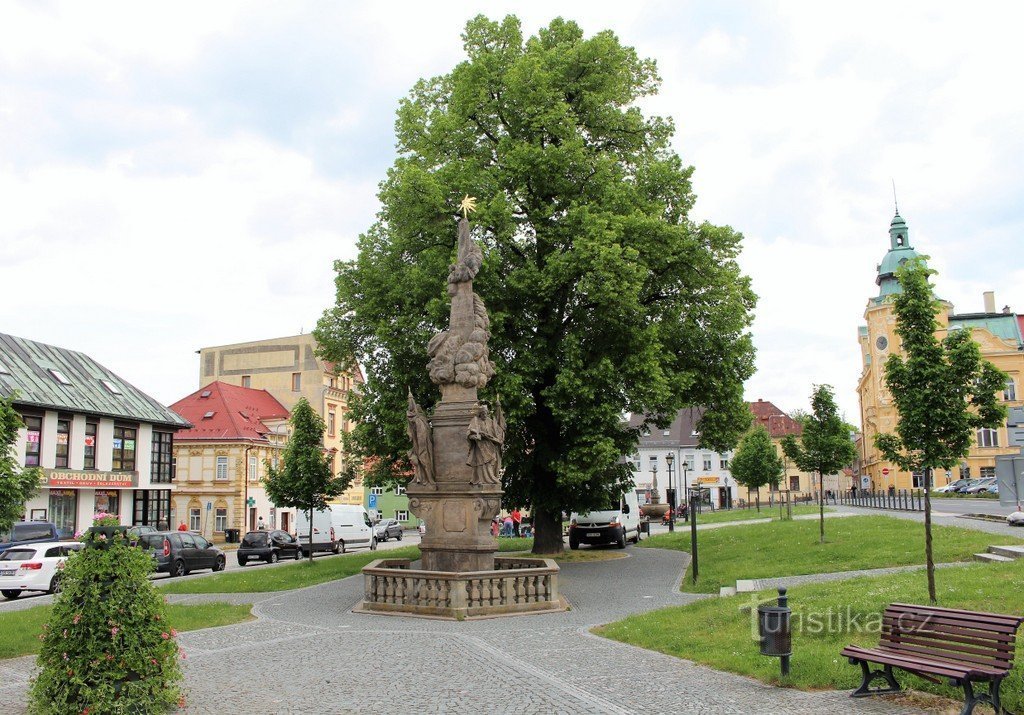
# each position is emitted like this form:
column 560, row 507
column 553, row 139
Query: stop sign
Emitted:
column 885, row 471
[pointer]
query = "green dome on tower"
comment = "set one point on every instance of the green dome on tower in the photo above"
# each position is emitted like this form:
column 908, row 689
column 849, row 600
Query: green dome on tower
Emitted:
column 900, row 251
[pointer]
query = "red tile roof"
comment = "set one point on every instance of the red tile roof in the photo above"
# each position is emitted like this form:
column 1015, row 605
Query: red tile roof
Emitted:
column 777, row 422
column 237, row 413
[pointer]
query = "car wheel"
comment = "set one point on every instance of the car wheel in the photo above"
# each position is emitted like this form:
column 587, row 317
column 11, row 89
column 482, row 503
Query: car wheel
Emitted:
column 219, row 564
column 384, row 537
column 621, row 543
column 373, row 543
column 574, row 543
column 340, row 547
column 298, row 554
column 274, row 558
column 399, row 535
column 242, row 561
column 178, row 568
column 55, row 585
column 637, row 539
column 10, row 595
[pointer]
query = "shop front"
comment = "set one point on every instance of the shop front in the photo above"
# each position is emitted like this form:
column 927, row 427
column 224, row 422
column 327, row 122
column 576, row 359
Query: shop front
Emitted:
column 70, row 498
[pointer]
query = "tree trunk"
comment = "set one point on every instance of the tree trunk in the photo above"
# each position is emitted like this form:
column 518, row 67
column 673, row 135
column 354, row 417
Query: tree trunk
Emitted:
column 821, row 505
column 928, row 558
column 547, row 532
column 311, row 536
column 757, row 498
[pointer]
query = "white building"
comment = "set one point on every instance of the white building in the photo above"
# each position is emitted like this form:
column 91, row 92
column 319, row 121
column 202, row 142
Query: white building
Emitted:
column 102, row 444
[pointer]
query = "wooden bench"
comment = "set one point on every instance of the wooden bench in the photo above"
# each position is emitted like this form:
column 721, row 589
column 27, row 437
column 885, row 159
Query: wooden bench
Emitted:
column 961, row 647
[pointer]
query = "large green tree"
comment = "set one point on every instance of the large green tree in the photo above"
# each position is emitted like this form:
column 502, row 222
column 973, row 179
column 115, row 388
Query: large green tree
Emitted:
column 605, row 297
column 756, row 464
column 824, row 445
column 17, row 485
column 304, row 479
column 944, row 391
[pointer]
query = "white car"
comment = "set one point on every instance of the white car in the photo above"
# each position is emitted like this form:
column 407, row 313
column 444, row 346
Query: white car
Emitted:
column 34, row 567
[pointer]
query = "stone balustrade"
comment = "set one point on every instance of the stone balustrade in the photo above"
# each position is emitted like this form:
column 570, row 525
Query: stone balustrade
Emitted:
column 516, row 585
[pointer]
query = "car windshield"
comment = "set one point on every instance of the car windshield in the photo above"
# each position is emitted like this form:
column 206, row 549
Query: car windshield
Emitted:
column 151, row 541
column 17, row 554
column 258, row 538
column 24, row 532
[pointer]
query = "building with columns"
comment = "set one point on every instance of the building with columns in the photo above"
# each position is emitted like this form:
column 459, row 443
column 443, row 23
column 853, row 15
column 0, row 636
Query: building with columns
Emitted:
column 288, row 368
column 103, row 445
column 221, row 459
column 999, row 334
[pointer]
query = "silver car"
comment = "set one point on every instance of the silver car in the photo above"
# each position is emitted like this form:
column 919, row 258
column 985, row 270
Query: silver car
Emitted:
column 388, row 529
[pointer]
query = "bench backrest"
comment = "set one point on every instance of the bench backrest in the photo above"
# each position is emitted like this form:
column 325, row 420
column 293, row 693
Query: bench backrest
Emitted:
column 983, row 639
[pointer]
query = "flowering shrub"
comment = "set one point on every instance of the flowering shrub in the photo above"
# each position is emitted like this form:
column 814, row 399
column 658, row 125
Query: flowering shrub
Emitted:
column 107, row 647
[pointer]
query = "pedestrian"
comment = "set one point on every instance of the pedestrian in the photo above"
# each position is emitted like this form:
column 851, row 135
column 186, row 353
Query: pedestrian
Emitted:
column 506, row 526
column 495, row 527
column 517, row 521
column 260, row 525
column 182, row 527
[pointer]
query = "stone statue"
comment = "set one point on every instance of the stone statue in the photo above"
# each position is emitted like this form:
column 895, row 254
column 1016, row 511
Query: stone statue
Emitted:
column 486, row 436
column 422, row 453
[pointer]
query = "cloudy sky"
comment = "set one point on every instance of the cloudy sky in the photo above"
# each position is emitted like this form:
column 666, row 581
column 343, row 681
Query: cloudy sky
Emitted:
column 183, row 174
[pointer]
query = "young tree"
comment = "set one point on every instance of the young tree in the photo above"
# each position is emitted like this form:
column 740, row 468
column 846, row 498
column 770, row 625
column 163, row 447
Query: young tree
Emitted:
column 17, row 485
column 943, row 392
column 304, row 479
column 605, row 298
column 824, row 446
column 756, row 463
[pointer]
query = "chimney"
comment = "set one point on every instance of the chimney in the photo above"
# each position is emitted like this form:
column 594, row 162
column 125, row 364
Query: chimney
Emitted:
column 990, row 301
column 1006, row 310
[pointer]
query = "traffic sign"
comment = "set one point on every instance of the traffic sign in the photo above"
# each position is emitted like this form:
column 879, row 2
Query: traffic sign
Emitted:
column 251, row 501
column 373, row 501
column 885, row 471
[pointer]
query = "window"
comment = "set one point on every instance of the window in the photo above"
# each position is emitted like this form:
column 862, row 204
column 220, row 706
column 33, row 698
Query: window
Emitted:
column 377, row 490
column 187, row 541
column 124, row 449
column 246, row 380
column 220, row 519
column 33, row 440
column 654, row 462
column 689, row 461
column 296, row 381
column 402, row 515
column 222, row 468
column 794, row 483
column 200, row 542
column 90, row 445
column 195, row 516
column 254, row 468
column 59, row 376
column 707, row 462
column 918, row 480
column 152, row 507
column 162, row 461
column 63, row 438
column 330, row 423
column 111, row 387
column 666, row 433
column 988, row 472
column 635, row 459
column 723, row 463
column 988, row 438
column 107, row 500
column 965, row 472
column 1010, row 393
column 399, row 490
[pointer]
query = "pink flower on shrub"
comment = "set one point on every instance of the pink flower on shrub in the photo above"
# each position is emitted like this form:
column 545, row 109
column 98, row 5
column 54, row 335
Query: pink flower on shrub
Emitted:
column 114, row 630
column 109, row 657
column 181, row 653
column 153, row 661
column 65, row 656
column 77, row 618
column 164, row 636
column 174, row 633
column 65, row 632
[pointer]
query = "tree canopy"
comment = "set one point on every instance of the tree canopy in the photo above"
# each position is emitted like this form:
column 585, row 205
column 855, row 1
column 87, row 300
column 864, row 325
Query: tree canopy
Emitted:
column 943, row 391
column 756, row 463
column 304, row 479
column 605, row 298
column 17, row 485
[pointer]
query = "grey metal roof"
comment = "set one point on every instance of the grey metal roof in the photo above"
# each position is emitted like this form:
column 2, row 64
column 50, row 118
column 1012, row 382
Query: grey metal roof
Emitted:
column 25, row 368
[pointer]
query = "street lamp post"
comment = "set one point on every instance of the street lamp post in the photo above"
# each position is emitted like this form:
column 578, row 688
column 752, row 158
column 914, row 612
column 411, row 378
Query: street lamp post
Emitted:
column 686, row 489
column 671, row 493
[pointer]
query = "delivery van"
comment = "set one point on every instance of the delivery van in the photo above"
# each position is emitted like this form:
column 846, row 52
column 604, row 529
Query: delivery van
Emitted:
column 337, row 528
column 616, row 524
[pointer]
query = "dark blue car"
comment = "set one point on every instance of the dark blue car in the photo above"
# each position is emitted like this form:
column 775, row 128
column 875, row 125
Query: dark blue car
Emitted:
column 28, row 532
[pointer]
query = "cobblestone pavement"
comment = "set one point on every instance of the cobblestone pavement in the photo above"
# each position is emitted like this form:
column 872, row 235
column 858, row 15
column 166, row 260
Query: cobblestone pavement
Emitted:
column 789, row 581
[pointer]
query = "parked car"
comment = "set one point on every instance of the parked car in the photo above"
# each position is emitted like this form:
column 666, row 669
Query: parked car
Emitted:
column 612, row 525
column 963, row 487
column 983, row 485
column 134, row 532
column 34, row 567
column 179, row 552
column 952, row 486
column 269, row 546
column 28, row 532
column 337, row 528
column 387, row 529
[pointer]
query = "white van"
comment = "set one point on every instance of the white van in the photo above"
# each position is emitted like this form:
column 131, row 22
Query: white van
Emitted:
column 337, row 528
column 607, row 526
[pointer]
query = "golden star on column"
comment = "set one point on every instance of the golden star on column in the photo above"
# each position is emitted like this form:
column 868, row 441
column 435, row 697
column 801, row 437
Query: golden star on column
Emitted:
column 467, row 205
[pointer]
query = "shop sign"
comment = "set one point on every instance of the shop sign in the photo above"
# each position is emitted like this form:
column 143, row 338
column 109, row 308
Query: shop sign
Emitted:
column 90, row 441
column 708, row 480
column 90, row 479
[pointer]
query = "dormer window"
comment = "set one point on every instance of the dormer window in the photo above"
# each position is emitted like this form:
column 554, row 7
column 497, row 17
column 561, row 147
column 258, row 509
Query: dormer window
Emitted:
column 205, row 394
column 111, row 387
column 209, row 415
column 59, row 376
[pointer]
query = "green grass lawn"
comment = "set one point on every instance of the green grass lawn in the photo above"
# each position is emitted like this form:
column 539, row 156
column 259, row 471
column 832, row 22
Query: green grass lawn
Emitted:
column 767, row 512
column 510, row 543
column 19, row 630
column 300, row 574
column 826, row 617
column 791, row 548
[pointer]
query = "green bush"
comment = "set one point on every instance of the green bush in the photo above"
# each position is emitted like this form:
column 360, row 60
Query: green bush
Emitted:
column 107, row 647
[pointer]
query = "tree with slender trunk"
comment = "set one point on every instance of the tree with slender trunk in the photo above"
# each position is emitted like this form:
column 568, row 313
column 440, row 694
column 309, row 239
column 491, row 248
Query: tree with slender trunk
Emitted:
column 605, row 297
column 756, row 463
column 304, row 479
column 943, row 391
column 17, row 485
column 824, row 446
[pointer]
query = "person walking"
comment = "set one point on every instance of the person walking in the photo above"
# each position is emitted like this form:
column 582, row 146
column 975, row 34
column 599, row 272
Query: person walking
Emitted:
column 517, row 522
column 260, row 525
column 182, row 527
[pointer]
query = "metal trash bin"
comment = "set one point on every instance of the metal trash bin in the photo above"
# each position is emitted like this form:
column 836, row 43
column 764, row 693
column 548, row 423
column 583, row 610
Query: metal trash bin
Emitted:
column 231, row 535
column 645, row 526
column 774, row 627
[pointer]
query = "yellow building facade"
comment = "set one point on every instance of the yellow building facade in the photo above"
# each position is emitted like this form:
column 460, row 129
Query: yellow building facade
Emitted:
column 999, row 337
column 289, row 368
